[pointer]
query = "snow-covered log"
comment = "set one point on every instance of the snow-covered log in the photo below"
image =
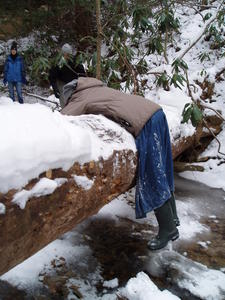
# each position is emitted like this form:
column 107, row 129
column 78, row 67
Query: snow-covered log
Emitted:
column 54, row 173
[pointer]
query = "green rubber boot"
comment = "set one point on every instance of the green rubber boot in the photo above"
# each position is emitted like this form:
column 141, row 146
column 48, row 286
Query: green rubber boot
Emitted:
column 174, row 209
column 167, row 228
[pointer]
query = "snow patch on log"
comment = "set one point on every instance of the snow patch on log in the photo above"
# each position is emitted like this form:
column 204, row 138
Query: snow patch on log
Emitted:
column 83, row 181
column 2, row 208
column 43, row 187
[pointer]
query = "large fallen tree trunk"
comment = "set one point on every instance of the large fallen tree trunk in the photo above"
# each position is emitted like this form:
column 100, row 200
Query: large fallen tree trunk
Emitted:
column 182, row 144
column 25, row 231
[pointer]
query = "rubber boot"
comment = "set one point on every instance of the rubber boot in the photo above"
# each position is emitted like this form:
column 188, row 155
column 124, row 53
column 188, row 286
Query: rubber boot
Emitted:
column 174, row 209
column 167, row 228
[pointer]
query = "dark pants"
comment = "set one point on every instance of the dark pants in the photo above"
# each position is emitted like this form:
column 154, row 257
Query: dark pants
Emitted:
column 18, row 86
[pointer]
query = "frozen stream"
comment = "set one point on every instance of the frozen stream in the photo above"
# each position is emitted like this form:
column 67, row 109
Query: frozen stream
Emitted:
column 97, row 258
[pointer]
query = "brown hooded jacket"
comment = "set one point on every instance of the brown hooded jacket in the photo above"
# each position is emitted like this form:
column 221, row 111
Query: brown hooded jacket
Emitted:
column 92, row 97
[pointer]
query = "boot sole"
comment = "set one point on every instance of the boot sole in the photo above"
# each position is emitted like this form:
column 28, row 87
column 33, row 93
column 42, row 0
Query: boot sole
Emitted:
column 172, row 237
column 175, row 237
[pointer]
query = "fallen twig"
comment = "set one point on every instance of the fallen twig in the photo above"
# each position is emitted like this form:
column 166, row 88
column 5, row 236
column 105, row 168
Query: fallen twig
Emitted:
column 218, row 114
column 44, row 99
column 210, row 130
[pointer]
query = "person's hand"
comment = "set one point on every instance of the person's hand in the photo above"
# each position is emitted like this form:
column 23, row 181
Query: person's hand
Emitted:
column 25, row 81
column 57, row 94
column 4, row 82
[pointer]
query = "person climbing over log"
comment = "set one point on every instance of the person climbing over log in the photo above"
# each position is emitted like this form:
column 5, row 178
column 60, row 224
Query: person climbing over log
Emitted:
column 68, row 72
column 146, row 121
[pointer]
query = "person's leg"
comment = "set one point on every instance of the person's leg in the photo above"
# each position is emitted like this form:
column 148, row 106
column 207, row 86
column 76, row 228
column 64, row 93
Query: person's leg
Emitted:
column 167, row 228
column 60, row 86
column 174, row 209
column 11, row 90
column 154, row 182
column 19, row 92
column 156, row 170
column 168, row 163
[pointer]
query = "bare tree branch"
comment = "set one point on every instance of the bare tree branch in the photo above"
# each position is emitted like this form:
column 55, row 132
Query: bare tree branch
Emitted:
column 220, row 73
column 210, row 130
column 218, row 114
column 43, row 99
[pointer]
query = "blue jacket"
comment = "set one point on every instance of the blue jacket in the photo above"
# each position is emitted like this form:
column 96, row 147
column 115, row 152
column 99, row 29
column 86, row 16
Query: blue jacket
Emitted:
column 14, row 70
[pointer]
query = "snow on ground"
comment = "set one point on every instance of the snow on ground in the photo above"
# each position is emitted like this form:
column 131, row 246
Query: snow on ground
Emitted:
column 141, row 287
column 214, row 172
column 26, row 275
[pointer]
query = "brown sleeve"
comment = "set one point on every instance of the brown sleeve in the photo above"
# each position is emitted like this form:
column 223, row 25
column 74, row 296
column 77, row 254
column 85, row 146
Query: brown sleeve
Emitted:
column 74, row 109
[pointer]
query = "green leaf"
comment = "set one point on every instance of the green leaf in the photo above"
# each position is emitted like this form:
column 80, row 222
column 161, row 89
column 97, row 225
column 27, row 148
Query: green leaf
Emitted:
column 204, row 56
column 179, row 64
column 176, row 80
column 187, row 114
column 196, row 116
column 185, row 107
column 207, row 16
column 192, row 111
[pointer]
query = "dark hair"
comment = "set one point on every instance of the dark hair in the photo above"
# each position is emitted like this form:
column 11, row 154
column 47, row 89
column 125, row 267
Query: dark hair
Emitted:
column 14, row 46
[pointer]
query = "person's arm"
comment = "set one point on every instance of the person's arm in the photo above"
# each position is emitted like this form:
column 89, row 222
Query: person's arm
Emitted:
column 74, row 108
column 23, row 72
column 80, row 70
column 6, row 68
column 53, row 75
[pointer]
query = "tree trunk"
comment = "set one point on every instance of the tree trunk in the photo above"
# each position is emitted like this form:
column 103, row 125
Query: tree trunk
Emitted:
column 99, row 39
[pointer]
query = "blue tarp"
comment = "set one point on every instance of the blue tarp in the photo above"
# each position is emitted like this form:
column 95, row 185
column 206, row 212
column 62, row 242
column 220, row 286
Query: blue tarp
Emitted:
column 155, row 179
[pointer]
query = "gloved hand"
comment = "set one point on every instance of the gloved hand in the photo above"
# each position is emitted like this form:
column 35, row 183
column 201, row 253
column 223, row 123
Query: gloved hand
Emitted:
column 57, row 94
column 4, row 82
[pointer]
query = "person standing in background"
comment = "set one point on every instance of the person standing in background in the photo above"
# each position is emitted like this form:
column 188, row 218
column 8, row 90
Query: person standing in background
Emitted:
column 14, row 73
column 60, row 76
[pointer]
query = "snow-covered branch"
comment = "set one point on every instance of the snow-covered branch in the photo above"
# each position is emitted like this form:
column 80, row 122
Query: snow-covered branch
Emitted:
column 200, row 35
